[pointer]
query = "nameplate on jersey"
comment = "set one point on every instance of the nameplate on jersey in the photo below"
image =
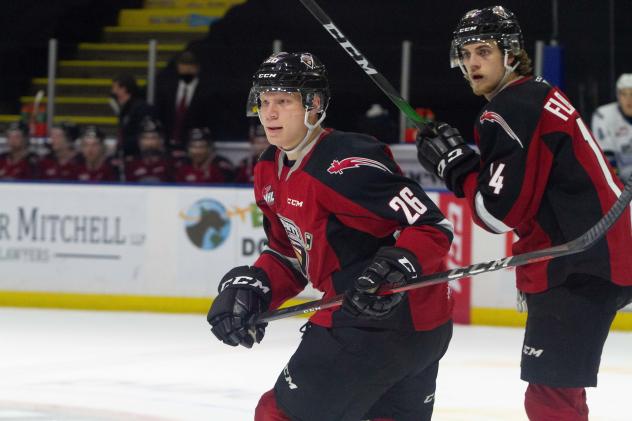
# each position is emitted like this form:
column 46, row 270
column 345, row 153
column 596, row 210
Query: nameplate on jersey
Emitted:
column 559, row 106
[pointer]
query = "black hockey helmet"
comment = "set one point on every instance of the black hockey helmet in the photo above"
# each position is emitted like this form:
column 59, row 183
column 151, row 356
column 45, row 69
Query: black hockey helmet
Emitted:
column 290, row 72
column 200, row 134
column 151, row 125
column 491, row 23
column 93, row 131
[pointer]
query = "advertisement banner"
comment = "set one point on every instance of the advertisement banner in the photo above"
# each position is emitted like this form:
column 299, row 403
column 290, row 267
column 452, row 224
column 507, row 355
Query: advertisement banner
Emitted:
column 71, row 238
column 218, row 229
column 458, row 213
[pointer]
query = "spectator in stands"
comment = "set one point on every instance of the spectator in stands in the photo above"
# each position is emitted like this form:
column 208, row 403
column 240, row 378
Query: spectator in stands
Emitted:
column 258, row 143
column 203, row 164
column 95, row 165
column 612, row 126
column 183, row 102
column 18, row 163
column 153, row 165
column 378, row 123
column 63, row 161
column 132, row 110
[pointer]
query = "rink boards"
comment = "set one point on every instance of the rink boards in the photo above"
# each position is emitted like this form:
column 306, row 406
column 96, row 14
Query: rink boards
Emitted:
column 165, row 248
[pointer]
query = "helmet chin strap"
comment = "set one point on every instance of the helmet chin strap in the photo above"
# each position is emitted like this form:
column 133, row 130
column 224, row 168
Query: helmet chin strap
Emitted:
column 508, row 71
column 310, row 129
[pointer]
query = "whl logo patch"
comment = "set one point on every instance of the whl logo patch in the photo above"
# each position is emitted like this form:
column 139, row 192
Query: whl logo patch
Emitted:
column 339, row 166
column 497, row 118
column 268, row 195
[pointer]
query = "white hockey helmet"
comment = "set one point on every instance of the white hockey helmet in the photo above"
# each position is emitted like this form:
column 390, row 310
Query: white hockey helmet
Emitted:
column 624, row 81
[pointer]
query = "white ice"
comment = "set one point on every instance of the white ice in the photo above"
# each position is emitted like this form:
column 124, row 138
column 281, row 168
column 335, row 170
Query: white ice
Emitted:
column 72, row 365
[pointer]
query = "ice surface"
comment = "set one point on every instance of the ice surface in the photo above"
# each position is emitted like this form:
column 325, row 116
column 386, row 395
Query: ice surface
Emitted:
column 72, row 365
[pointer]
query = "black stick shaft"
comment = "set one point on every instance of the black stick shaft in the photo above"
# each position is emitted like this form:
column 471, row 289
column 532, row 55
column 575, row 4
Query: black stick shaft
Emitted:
column 362, row 61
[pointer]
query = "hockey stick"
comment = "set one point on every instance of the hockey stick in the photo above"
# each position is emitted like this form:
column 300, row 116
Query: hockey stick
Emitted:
column 362, row 61
column 33, row 117
column 581, row 243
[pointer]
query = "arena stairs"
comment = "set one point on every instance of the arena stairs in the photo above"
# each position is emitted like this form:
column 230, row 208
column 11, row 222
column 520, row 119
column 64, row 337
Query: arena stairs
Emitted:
column 83, row 84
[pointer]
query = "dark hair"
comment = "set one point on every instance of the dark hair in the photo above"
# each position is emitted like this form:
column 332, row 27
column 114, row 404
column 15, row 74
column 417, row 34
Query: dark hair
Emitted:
column 187, row 57
column 18, row 126
column 128, row 82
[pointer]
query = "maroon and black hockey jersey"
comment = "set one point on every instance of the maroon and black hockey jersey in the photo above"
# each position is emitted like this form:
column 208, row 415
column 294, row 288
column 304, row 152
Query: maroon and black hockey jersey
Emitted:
column 326, row 215
column 152, row 169
column 544, row 176
column 24, row 168
column 217, row 170
column 52, row 169
column 106, row 171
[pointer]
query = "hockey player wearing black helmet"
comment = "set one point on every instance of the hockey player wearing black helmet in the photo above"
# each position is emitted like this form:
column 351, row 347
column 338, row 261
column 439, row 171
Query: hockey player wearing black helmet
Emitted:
column 286, row 85
column 541, row 175
column 338, row 214
column 18, row 162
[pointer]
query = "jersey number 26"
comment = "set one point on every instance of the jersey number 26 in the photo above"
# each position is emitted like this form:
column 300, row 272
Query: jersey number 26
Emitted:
column 409, row 204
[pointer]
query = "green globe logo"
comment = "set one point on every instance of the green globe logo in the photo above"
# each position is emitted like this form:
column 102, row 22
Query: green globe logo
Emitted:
column 207, row 224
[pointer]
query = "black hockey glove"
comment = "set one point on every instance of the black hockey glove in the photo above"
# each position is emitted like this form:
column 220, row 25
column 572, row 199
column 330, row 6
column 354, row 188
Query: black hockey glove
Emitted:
column 392, row 265
column 441, row 150
column 244, row 292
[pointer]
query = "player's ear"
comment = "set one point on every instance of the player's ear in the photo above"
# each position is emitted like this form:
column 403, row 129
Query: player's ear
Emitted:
column 317, row 101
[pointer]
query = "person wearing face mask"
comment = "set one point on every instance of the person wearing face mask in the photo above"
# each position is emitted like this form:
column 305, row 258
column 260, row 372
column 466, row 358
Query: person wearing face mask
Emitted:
column 183, row 103
column 153, row 165
column 131, row 109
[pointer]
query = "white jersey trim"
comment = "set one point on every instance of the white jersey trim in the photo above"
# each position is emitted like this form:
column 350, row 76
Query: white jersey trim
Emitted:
column 602, row 163
column 493, row 223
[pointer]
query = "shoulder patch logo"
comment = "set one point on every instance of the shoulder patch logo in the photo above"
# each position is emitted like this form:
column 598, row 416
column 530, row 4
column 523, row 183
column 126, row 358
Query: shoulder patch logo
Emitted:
column 339, row 166
column 268, row 195
column 497, row 118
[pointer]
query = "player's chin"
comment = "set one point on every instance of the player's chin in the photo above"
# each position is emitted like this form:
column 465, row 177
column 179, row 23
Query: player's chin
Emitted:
column 481, row 89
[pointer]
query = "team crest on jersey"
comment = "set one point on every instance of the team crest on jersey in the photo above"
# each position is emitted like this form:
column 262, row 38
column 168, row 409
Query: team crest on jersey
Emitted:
column 268, row 195
column 339, row 166
column 299, row 243
column 308, row 60
column 497, row 118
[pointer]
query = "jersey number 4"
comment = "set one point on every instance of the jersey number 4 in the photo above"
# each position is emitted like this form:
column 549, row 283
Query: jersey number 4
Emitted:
column 497, row 179
column 409, row 204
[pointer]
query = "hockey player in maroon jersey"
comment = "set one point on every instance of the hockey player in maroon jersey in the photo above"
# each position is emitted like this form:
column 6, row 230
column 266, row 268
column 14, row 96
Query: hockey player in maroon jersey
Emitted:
column 203, row 164
column 258, row 144
column 18, row 163
column 95, row 165
column 541, row 174
column 340, row 215
column 153, row 165
column 63, row 161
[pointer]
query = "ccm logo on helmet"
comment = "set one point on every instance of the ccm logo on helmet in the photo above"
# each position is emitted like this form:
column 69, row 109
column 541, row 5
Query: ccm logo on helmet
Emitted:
column 267, row 75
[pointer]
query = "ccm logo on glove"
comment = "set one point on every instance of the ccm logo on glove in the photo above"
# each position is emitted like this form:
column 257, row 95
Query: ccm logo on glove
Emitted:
column 243, row 281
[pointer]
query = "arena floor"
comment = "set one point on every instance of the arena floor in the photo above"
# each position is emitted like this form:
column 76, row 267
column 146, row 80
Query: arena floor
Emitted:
column 72, row 365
